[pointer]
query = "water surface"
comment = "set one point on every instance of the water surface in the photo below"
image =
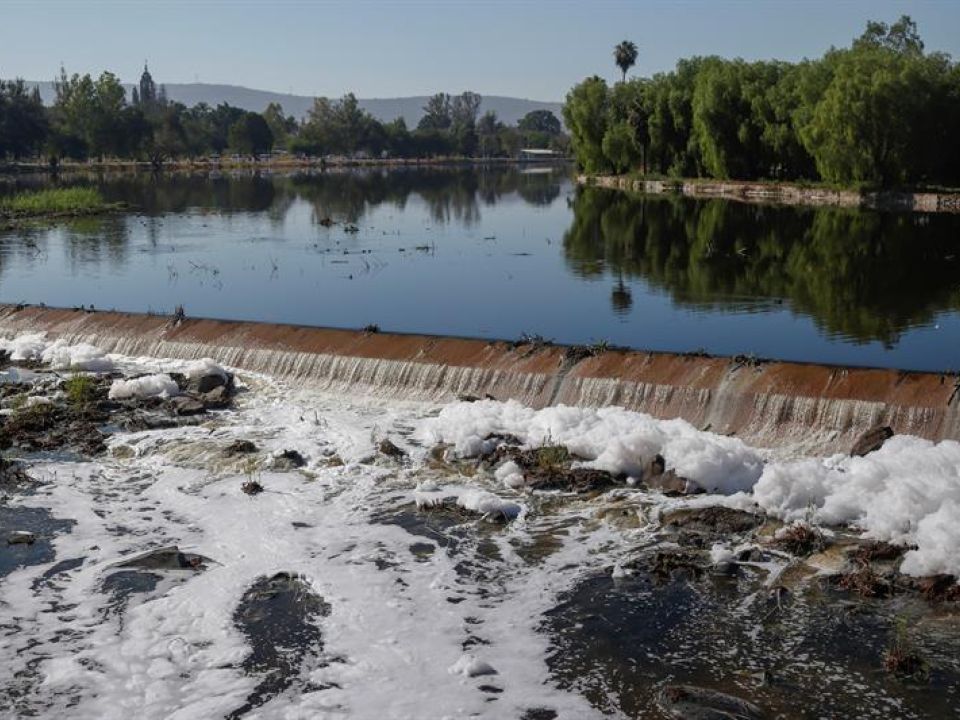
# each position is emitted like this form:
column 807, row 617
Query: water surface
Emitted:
column 499, row 252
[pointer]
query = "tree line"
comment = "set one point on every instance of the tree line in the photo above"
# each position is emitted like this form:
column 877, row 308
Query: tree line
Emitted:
column 881, row 112
column 91, row 118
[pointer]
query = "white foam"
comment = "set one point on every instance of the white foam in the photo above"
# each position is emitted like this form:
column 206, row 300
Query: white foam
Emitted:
column 510, row 474
column 144, row 387
column 470, row 666
column 612, row 438
column 487, row 503
column 26, row 346
column 906, row 493
column 203, row 367
column 60, row 355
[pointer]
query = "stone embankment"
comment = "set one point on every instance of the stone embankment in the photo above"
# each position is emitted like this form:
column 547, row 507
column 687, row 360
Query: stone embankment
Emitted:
column 783, row 193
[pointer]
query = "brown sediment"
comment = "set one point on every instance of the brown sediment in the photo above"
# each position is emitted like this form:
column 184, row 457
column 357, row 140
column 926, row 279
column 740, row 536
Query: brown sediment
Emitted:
column 817, row 408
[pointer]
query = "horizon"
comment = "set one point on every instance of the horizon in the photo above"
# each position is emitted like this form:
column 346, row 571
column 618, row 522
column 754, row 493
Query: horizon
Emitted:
column 215, row 41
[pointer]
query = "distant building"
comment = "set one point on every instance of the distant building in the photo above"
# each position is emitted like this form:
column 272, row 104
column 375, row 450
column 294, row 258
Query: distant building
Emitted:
column 539, row 154
column 148, row 88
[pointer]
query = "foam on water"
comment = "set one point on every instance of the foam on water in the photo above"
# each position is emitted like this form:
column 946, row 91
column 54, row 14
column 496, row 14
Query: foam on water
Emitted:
column 410, row 634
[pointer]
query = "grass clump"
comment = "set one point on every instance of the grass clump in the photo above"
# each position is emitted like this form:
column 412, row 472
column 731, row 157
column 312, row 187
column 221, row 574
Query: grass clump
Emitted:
column 80, row 390
column 551, row 458
column 902, row 658
column 55, row 201
column 800, row 539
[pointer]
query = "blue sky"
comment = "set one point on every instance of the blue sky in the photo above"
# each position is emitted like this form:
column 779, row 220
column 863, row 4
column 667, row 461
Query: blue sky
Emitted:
column 523, row 48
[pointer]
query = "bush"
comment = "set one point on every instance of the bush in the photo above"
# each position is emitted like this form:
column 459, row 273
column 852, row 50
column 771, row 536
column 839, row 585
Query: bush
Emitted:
column 80, row 390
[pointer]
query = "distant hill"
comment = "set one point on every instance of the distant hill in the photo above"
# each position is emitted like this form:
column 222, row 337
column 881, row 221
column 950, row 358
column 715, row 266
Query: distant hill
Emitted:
column 508, row 109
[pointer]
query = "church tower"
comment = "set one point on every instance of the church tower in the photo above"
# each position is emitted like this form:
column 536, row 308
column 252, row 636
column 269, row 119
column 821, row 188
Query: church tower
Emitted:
column 148, row 89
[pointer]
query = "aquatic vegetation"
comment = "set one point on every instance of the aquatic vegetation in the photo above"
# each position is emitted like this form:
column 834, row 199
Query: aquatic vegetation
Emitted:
column 54, row 201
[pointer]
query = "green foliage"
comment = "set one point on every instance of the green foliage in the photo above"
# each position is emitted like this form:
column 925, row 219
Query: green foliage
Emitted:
column 80, row 391
column 585, row 113
column 620, row 147
column 540, row 121
column 625, row 56
column 23, row 120
column 881, row 112
column 250, row 135
column 54, row 201
column 551, row 458
column 91, row 118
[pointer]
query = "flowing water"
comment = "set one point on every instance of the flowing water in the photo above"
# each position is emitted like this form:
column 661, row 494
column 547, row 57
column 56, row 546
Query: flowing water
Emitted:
column 502, row 252
column 363, row 585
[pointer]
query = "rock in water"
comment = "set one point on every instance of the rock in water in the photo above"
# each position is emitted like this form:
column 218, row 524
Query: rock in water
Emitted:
column 206, row 383
column 279, row 616
column 165, row 558
column 687, row 702
column 216, row 399
column 240, row 447
column 872, row 439
column 21, row 537
column 288, row 460
column 657, row 477
column 387, row 448
column 252, row 487
column 183, row 406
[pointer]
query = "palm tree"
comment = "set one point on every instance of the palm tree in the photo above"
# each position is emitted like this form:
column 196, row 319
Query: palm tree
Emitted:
column 625, row 55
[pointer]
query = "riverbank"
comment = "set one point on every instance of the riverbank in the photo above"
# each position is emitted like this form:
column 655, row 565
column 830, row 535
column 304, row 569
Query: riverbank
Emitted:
column 783, row 193
column 276, row 163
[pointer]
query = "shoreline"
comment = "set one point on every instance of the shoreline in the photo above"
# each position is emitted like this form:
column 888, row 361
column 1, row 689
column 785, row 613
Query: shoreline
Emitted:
column 14, row 169
column 782, row 193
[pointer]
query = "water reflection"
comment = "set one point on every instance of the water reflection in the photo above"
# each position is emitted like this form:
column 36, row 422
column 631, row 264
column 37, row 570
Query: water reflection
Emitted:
column 501, row 251
column 454, row 194
column 861, row 275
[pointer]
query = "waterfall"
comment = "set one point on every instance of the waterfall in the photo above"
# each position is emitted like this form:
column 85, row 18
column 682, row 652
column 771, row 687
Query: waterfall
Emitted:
column 814, row 408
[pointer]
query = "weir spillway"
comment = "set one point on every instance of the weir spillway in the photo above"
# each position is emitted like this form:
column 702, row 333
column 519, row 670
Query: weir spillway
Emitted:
column 814, row 408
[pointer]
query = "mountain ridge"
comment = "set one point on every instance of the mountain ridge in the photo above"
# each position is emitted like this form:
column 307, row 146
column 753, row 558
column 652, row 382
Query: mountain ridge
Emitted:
column 508, row 109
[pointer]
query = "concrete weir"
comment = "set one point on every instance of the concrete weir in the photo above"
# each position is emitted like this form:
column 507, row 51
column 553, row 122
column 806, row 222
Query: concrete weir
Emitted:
column 813, row 408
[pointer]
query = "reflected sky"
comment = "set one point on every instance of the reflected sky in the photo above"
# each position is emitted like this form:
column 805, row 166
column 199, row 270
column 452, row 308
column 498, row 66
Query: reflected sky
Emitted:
column 499, row 252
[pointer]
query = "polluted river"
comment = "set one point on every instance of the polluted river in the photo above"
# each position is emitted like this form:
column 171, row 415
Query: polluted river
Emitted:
column 211, row 519
column 186, row 540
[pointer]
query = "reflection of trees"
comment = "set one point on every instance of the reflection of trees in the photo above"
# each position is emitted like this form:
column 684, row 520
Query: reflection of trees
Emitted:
column 92, row 240
column 865, row 275
column 448, row 193
column 178, row 192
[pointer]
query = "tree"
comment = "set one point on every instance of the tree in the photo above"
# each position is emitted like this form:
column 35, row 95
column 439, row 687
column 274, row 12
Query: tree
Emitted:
column 464, row 109
column 625, row 56
column 542, row 121
column 23, row 120
column 281, row 126
column 250, row 135
column 488, row 134
column 436, row 113
column 620, row 147
column 585, row 113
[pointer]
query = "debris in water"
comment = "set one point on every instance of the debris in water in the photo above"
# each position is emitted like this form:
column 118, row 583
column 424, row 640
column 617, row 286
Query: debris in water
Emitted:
column 21, row 537
column 873, row 439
